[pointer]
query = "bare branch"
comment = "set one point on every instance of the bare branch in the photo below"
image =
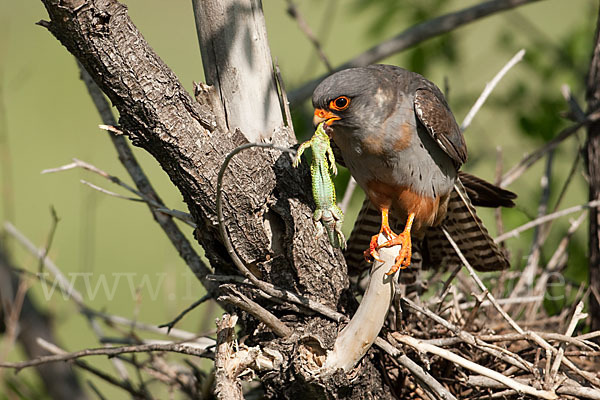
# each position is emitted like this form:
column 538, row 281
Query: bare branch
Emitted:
column 489, row 87
column 177, row 238
column 357, row 337
column 412, row 36
column 572, row 388
column 515, row 172
column 463, row 362
column 263, row 315
column 427, row 381
column 184, row 348
column 541, row 220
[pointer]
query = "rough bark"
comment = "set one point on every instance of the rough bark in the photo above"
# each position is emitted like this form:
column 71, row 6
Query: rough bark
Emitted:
column 593, row 164
column 265, row 199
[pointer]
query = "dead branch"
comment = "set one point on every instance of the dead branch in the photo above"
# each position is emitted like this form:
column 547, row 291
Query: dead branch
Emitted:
column 526, row 162
column 183, row 348
column 244, row 303
column 448, row 355
column 489, row 87
column 227, row 384
column 412, row 36
column 542, row 220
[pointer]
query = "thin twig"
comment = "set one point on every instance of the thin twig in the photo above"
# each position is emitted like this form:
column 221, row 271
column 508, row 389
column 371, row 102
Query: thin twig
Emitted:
column 126, row 385
column 190, row 349
column 515, row 172
column 153, row 204
column 498, row 210
column 463, row 362
column 540, row 233
column 513, row 337
column 489, row 87
column 292, row 10
column 50, row 237
column 259, row 312
column 549, row 217
column 264, row 286
column 350, row 189
column 170, row 325
column 570, row 389
column 108, row 192
column 552, row 266
column 577, row 315
column 428, row 382
column 412, row 36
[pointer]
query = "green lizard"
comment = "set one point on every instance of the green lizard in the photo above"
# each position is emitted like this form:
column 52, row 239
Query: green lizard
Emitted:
column 327, row 214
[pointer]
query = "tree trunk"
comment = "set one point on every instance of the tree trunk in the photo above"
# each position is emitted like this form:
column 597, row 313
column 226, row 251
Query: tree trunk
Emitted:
column 265, row 199
column 593, row 163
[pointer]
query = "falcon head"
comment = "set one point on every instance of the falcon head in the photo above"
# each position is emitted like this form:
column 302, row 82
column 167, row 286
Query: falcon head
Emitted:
column 354, row 98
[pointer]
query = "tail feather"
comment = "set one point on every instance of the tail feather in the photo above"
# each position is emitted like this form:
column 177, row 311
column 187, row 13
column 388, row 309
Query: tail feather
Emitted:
column 467, row 230
column 485, row 194
column 461, row 222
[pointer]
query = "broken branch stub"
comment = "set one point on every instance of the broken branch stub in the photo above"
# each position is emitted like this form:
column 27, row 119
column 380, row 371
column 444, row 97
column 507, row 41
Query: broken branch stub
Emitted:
column 358, row 336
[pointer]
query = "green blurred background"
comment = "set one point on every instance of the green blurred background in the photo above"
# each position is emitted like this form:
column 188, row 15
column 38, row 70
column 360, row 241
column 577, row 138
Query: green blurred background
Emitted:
column 47, row 118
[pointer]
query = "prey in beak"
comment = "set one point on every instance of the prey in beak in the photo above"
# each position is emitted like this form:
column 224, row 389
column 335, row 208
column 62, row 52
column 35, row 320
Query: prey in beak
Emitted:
column 324, row 115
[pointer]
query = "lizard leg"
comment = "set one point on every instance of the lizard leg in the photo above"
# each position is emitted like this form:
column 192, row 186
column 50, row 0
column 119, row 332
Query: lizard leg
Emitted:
column 403, row 239
column 301, row 149
column 331, row 158
column 371, row 253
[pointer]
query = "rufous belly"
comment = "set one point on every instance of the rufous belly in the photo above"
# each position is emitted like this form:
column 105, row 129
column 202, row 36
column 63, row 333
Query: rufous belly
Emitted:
column 429, row 211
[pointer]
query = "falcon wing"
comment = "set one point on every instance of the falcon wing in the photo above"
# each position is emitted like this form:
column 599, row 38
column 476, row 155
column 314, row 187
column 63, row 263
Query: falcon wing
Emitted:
column 434, row 113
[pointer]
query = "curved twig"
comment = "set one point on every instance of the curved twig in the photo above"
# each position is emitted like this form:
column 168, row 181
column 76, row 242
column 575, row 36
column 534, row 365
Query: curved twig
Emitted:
column 264, row 286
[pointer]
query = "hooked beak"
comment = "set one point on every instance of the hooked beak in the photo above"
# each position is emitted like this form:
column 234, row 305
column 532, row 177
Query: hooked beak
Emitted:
column 324, row 115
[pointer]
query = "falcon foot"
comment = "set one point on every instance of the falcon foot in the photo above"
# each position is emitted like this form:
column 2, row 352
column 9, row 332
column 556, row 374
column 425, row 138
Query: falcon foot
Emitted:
column 403, row 259
column 371, row 253
column 403, row 239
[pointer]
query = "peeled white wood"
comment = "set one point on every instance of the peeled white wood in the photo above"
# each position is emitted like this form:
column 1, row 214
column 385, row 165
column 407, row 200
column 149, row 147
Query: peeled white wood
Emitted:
column 358, row 336
column 237, row 62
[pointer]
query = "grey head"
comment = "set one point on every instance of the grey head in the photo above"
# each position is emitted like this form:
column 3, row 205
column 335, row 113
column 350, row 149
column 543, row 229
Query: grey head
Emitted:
column 371, row 91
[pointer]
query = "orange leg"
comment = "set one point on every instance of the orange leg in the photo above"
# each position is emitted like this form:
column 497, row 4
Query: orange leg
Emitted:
column 371, row 253
column 403, row 239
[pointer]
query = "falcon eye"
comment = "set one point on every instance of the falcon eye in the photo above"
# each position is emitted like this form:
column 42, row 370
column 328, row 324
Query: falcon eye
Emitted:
column 339, row 104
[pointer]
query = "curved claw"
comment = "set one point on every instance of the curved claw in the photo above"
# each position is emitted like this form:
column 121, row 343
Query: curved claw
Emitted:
column 403, row 259
column 371, row 253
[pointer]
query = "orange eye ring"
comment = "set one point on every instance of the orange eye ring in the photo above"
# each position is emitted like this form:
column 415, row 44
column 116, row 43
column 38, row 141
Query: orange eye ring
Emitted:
column 340, row 103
